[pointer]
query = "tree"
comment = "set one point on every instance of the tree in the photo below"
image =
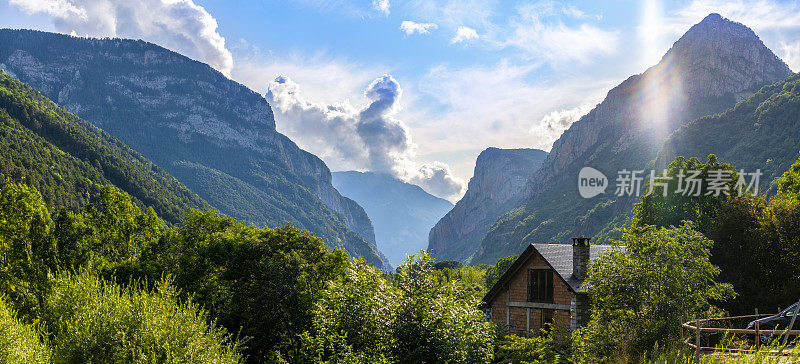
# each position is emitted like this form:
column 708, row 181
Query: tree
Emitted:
column 671, row 210
column 26, row 250
column 789, row 183
column 640, row 293
column 495, row 272
column 753, row 236
column 259, row 283
column 418, row 318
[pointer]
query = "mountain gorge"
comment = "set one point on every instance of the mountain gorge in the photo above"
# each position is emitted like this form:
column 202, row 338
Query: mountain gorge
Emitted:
column 214, row 135
column 495, row 188
column 712, row 66
column 402, row 213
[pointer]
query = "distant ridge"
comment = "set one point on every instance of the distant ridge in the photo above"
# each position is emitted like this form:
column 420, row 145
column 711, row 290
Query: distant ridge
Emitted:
column 401, row 212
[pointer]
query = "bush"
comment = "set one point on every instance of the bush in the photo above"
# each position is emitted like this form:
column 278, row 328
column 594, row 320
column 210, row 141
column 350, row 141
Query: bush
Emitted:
column 639, row 295
column 19, row 343
column 417, row 319
column 92, row 320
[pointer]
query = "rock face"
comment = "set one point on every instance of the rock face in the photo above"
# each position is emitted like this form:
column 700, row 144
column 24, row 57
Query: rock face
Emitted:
column 215, row 135
column 401, row 212
column 495, row 188
column 715, row 64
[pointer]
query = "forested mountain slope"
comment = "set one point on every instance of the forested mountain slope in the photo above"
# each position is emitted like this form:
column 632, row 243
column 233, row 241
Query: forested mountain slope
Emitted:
column 213, row 134
column 760, row 133
column 67, row 158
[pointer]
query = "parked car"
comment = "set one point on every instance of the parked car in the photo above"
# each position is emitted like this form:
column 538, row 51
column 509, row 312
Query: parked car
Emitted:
column 779, row 321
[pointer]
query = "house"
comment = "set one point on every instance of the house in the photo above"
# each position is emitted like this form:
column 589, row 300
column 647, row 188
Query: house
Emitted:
column 544, row 285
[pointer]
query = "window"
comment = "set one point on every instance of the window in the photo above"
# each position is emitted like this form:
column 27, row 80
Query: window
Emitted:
column 540, row 285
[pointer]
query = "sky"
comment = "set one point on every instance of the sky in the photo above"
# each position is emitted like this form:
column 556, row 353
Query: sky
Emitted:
column 417, row 88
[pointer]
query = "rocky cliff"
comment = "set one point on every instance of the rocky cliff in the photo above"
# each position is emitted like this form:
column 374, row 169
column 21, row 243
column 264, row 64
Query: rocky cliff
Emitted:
column 495, row 188
column 401, row 212
column 215, row 135
column 712, row 66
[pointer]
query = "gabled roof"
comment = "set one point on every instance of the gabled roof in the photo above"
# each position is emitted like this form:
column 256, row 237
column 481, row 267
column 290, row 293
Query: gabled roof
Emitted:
column 558, row 257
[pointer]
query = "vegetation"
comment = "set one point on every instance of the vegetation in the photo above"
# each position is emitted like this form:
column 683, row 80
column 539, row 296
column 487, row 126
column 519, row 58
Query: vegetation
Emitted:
column 755, row 239
column 638, row 295
column 91, row 320
column 68, row 159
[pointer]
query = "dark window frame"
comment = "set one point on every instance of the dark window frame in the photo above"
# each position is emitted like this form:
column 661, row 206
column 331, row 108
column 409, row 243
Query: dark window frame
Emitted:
column 540, row 285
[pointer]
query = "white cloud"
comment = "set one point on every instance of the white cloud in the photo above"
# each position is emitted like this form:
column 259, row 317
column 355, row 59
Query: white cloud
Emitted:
column 59, row 8
column 759, row 15
column 410, row 27
column 180, row 25
column 381, row 5
column 552, row 125
column 464, row 34
column 367, row 138
column 791, row 55
column 493, row 105
column 535, row 32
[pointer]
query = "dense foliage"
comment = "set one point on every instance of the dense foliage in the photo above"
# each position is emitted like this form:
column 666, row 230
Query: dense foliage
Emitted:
column 95, row 321
column 68, row 159
column 108, row 284
column 639, row 294
column 418, row 319
column 756, row 240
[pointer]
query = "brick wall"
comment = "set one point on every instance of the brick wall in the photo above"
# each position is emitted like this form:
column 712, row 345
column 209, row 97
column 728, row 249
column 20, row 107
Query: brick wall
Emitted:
column 517, row 290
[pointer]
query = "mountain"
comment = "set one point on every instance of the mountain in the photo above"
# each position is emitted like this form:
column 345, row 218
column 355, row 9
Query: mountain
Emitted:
column 495, row 188
column 759, row 133
column 213, row 134
column 712, row 66
column 67, row 158
column 401, row 212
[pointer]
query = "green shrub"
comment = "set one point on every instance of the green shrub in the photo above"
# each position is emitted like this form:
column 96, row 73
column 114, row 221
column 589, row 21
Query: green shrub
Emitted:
column 19, row 343
column 94, row 321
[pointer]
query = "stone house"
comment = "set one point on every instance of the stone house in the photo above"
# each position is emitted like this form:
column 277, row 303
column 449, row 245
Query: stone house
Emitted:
column 544, row 285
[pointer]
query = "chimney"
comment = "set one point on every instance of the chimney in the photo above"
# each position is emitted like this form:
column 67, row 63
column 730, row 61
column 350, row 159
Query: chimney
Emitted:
column 580, row 257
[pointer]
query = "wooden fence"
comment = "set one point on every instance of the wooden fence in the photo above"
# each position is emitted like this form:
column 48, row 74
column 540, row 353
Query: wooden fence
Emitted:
column 691, row 332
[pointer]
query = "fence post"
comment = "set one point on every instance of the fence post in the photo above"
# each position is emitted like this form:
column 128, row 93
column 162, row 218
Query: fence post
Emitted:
column 791, row 325
column 697, row 339
column 758, row 332
column 681, row 319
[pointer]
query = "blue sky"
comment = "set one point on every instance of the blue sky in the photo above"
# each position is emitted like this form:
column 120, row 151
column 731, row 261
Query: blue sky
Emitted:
column 465, row 75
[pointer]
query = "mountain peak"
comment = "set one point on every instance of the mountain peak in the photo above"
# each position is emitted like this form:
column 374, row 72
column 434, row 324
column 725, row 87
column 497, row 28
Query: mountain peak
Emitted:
column 718, row 56
column 713, row 17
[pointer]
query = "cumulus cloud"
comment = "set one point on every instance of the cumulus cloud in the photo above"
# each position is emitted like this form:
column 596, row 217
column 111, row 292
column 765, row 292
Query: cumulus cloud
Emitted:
column 464, row 34
column 552, row 125
column 369, row 138
column 381, row 5
column 180, row 25
column 410, row 27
